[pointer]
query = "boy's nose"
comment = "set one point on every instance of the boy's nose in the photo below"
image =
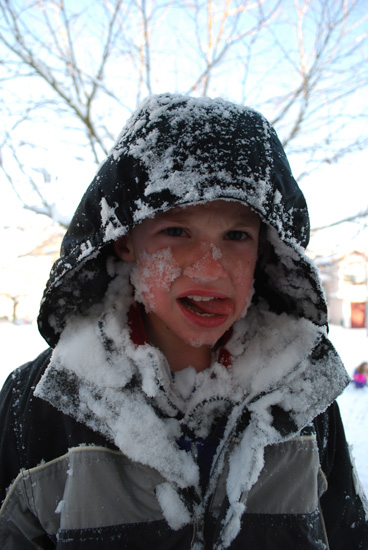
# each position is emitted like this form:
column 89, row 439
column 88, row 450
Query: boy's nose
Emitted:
column 209, row 266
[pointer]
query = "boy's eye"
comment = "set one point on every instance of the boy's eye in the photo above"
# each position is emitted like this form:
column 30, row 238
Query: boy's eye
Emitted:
column 174, row 231
column 236, row 235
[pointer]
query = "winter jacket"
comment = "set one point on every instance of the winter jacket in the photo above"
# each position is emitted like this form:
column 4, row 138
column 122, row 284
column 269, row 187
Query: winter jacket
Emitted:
column 75, row 489
column 99, row 442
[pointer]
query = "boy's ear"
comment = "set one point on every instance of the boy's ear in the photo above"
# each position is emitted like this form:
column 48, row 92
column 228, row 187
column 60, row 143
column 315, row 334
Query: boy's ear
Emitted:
column 124, row 248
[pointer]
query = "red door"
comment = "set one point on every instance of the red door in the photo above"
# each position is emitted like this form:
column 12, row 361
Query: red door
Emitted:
column 358, row 315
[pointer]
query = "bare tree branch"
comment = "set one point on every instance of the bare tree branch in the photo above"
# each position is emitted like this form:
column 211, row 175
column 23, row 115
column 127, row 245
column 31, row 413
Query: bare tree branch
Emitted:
column 84, row 67
column 349, row 219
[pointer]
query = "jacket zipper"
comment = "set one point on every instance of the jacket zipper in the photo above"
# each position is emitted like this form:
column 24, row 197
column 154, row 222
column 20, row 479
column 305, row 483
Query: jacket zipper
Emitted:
column 197, row 536
column 198, row 524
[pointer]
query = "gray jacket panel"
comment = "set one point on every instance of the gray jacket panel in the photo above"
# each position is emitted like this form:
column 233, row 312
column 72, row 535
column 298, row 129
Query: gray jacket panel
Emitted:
column 94, row 487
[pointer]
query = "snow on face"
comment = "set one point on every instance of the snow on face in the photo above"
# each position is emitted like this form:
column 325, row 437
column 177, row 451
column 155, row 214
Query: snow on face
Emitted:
column 198, row 271
column 153, row 271
column 194, row 269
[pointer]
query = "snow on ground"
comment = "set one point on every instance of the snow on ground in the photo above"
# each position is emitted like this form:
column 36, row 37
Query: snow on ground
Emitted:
column 352, row 345
column 21, row 343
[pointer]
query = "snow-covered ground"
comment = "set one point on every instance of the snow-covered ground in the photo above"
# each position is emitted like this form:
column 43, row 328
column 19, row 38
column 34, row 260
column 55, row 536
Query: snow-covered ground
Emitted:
column 352, row 346
column 21, row 343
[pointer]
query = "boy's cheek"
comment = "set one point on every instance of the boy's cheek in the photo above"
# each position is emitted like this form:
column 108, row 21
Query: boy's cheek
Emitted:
column 243, row 273
column 243, row 277
column 152, row 274
column 247, row 301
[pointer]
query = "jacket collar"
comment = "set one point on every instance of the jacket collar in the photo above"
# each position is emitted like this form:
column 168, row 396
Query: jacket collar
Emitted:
column 278, row 364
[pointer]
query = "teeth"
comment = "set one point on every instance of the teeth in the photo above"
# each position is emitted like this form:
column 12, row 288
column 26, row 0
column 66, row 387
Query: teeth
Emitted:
column 200, row 298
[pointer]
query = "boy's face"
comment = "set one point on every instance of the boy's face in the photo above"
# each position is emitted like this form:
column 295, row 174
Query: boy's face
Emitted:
column 194, row 270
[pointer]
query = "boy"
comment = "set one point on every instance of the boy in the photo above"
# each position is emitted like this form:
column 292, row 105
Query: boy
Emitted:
column 187, row 399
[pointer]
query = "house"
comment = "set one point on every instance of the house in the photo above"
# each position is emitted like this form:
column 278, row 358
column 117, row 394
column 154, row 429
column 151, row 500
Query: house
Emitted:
column 345, row 281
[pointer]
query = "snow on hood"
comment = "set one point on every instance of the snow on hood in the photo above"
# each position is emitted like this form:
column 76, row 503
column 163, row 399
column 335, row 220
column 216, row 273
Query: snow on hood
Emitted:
column 178, row 150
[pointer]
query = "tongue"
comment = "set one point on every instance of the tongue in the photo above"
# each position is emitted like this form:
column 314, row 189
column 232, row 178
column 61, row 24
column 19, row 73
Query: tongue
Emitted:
column 216, row 306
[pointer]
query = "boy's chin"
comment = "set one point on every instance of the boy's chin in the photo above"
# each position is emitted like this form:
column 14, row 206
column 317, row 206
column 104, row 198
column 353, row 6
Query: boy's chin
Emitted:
column 200, row 344
column 208, row 341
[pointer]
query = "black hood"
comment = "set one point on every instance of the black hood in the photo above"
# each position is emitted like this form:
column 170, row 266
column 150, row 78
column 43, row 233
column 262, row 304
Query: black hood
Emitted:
column 177, row 150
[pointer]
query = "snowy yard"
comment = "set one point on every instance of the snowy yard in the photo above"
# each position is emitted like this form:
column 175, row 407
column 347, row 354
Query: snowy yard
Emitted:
column 23, row 342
